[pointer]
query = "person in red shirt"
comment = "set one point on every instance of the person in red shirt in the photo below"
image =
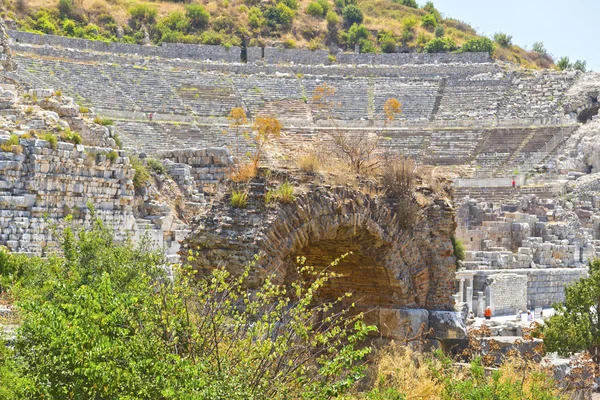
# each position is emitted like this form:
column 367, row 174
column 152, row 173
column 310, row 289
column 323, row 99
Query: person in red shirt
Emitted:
column 488, row 312
column 514, row 184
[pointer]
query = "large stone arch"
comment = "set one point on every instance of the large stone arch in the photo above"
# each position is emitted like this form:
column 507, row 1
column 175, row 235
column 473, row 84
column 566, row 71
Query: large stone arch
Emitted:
column 390, row 268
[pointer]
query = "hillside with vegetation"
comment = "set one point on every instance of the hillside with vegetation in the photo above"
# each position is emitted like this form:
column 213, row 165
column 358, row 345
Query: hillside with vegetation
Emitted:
column 376, row 26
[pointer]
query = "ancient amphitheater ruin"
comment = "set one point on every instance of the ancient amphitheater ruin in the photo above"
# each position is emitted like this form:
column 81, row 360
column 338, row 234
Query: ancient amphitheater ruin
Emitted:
column 478, row 122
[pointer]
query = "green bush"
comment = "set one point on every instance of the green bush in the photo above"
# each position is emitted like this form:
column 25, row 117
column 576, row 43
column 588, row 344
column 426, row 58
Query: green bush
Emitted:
column 409, row 3
column 156, row 166
column 314, row 9
column 483, row 45
column 256, row 18
column 538, row 47
column 71, row 137
column 197, row 15
column 459, row 249
column 103, row 321
column 112, row 157
column 563, row 63
column 103, row 121
column 428, row 21
column 430, row 8
column 292, row 4
column 387, row 42
column 355, row 34
column 409, row 23
column 440, row 45
column 69, row 27
column 175, row 21
column 142, row 176
column 352, row 15
column 324, row 5
column 66, row 8
column 143, row 14
column 439, row 31
column 52, row 139
column 503, row 39
column 332, row 20
column 45, row 24
column 279, row 16
column 283, row 194
column 239, row 199
column 580, row 65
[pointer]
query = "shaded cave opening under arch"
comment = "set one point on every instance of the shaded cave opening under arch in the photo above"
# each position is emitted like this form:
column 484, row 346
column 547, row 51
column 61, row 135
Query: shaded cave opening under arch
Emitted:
column 587, row 114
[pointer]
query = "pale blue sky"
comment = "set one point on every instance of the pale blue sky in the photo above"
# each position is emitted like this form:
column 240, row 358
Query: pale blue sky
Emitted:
column 567, row 28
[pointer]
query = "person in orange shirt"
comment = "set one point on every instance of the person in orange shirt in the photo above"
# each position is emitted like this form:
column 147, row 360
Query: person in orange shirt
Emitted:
column 488, row 312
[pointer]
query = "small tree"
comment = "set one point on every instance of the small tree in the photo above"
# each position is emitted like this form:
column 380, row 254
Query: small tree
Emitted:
column 352, row 15
column 357, row 151
column 576, row 325
column 539, row 48
column 563, row 63
column 503, row 39
column 197, row 15
column 482, row 44
column 263, row 131
column 580, row 65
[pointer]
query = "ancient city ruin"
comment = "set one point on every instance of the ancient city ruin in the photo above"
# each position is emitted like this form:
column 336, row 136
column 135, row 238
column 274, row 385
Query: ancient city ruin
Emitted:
column 475, row 123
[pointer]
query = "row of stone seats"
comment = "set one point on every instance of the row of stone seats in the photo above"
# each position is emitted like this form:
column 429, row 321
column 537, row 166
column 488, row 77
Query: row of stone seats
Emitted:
column 280, row 96
column 452, row 147
column 417, row 97
column 472, row 98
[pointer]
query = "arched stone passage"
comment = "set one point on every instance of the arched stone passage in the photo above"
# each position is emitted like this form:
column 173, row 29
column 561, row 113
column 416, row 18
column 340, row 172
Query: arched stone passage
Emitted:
column 390, row 269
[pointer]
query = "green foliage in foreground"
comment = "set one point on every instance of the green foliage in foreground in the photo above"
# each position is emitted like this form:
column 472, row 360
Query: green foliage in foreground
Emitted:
column 102, row 321
column 576, row 325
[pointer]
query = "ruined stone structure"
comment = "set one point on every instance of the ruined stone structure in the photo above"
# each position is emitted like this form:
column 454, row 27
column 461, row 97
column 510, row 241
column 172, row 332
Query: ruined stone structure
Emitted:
column 388, row 268
column 461, row 113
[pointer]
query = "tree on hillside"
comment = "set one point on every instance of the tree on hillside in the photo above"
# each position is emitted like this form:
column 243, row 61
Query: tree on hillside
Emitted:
column 576, row 325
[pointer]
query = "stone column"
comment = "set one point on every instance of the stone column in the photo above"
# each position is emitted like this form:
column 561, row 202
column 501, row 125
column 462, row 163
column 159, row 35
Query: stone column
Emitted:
column 461, row 290
column 480, row 304
column 488, row 297
column 469, row 299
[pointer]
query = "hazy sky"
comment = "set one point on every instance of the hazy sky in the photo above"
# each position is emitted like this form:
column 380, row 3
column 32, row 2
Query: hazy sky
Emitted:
column 567, row 28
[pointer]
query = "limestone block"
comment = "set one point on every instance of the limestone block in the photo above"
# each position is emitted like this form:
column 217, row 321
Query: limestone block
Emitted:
column 402, row 323
column 447, row 325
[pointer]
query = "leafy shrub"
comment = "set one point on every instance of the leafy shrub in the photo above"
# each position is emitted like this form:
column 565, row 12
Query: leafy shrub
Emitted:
column 175, row 21
column 69, row 27
column 430, row 8
column 66, row 8
column 352, row 15
column 10, row 144
column 439, row 31
column 45, row 24
column 332, row 20
column 143, row 336
column 409, row 23
column 482, row 44
column 244, row 173
column 84, row 110
column 356, row 33
column 103, row 121
column 71, row 137
column 142, row 175
column 143, row 14
column 197, row 15
column 503, row 39
column 387, row 42
column 314, row 9
column 459, row 249
column 52, row 139
column 324, row 5
column 239, row 199
column 580, row 65
column 279, row 16
column 428, row 21
column 563, row 63
column 289, row 43
column 283, row 194
column 440, row 45
column 538, row 47
column 409, row 3
column 256, row 18
column 112, row 157
column 156, row 166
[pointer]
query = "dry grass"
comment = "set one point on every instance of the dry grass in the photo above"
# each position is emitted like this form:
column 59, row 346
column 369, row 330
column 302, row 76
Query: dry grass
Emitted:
column 309, row 163
column 404, row 370
column 243, row 173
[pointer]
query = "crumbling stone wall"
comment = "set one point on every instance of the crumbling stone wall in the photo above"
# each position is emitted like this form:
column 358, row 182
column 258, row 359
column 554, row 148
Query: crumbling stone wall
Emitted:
column 41, row 185
column 389, row 266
